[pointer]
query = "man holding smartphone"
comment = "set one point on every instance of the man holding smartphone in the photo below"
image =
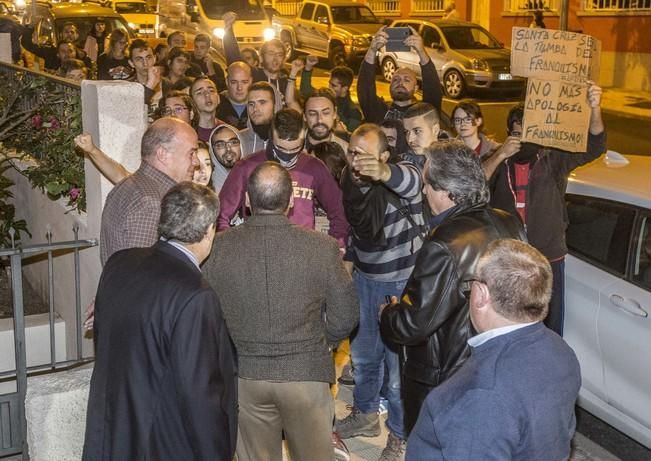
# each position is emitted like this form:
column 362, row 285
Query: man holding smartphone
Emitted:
column 403, row 83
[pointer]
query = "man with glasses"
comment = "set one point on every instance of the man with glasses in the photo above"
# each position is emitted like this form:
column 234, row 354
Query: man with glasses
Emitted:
column 311, row 179
column 431, row 318
column 225, row 149
column 206, row 98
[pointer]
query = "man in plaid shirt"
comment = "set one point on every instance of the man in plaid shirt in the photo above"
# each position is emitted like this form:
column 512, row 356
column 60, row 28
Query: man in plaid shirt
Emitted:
column 132, row 209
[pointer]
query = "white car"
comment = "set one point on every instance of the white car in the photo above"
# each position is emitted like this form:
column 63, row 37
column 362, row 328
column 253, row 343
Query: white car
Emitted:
column 608, row 290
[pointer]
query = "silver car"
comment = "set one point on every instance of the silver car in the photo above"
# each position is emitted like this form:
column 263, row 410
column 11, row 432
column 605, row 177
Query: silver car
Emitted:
column 466, row 57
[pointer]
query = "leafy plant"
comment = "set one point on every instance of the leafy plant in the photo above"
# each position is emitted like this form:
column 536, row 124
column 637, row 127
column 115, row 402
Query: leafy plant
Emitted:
column 7, row 210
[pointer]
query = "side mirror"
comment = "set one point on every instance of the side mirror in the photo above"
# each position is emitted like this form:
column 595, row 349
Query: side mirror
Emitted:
column 322, row 20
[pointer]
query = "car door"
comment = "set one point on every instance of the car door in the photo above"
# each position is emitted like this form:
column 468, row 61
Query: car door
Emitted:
column 625, row 331
column 434, row 47
column 321, row 26
column 597, row 239
column 302, row 24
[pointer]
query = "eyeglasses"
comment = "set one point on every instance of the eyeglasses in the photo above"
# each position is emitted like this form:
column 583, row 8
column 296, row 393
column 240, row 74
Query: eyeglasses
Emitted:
column 176, row 110
column 459, row 120
column 220, row 146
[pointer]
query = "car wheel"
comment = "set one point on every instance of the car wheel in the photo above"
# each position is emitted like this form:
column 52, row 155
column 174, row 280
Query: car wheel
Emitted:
column 337, row 56
column 388, row 68
column 453, row 84
column 286, row 38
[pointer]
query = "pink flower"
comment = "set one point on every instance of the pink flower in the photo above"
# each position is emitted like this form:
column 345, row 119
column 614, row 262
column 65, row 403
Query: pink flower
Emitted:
column 54, row 123
column 37, row 121
column 74, row 193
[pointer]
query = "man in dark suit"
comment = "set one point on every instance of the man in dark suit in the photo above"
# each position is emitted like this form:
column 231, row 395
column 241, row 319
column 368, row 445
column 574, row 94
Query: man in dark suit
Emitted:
column 514, row 397
column 164, row 385
column 286, row 298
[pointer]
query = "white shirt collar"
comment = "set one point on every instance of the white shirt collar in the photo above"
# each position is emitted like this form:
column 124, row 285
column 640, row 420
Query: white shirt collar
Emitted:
column 184, row 250
column 481, row 338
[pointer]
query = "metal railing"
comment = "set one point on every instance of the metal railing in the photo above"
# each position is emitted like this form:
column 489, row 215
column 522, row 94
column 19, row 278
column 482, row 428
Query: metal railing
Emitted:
column 384, row 7
column 522, row 6
column 617, row 5
column 427, row 6
column 290, row 8
column 13, row 439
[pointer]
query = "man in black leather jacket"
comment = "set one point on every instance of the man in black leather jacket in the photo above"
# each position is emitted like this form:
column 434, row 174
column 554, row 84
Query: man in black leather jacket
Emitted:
column 431, row 318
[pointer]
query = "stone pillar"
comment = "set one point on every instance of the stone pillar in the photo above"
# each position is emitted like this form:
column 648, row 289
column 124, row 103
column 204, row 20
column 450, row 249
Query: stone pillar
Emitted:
column 114, row 113
column 5, row 48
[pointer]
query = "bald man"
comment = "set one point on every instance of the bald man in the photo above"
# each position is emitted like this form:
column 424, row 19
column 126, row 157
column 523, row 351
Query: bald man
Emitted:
column 403, row 83
column 132, row 209
column 232, row 108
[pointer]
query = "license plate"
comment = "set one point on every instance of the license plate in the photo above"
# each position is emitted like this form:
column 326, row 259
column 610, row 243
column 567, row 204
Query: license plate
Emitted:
column 505, row 77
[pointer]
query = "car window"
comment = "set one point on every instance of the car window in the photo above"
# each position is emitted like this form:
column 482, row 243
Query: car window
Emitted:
column 642, row 253
column 469, row 38
column 308, row 9
column 599, row 232
column 246, row 9
column 431, row 36
column 131, row 8
column 85, row 24
column 46, row 31
column 352, row 15
column 321, row 12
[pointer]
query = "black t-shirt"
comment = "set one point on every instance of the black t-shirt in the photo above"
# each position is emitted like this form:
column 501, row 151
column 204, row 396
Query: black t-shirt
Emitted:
column 109, row 68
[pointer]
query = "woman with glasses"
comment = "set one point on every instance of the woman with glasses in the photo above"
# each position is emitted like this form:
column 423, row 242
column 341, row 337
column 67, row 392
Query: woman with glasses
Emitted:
column 468, row 122
column 114, row 64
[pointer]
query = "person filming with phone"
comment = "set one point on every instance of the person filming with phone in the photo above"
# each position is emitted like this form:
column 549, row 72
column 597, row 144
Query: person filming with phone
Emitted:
column 404, row 81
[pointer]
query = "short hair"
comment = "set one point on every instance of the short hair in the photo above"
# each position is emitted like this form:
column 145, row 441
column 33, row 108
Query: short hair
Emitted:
column 401, row 139
column 516, row 115
column 269, row 188
column 332, row 154
column 264, row 86
column 173, row 34
column 159, row 47
column 68, row 24
column 187, row 211
column 322, row 93
column 239, row 65
column 344, row 74
column 453, row 167
column 201, row 78
column 72, row 64
column 519, row 279
column 205, row 38
column 272, row 43
column 177, row 52
column 71, row 44
column 182, row 83
column 288, row 124
column 470, row 108
column 186, row 98
column 138, row 44
column 116, row 36
column 160, row 133
column 253, row 51
column 366, row 128
column 423, row 108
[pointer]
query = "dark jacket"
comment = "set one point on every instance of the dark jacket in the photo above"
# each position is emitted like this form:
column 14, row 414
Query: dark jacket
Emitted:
column 164, row 383
column 545, row 211
column 227, row 113
column 513, row 399
column 48, row 52
column 373, row 106
column 432, row 316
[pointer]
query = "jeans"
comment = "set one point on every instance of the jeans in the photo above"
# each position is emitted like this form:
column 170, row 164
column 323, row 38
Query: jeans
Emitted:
column 370, row 354
column 556, row 315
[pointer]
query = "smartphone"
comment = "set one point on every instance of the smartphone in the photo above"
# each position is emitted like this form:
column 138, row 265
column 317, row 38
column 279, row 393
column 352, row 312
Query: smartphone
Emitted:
column 397, row 36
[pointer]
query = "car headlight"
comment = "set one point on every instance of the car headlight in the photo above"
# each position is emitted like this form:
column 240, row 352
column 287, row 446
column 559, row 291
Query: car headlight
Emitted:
column 268, row 34
column 361, row 41
column 133, row 26
column 479, row 64
column 218, row 32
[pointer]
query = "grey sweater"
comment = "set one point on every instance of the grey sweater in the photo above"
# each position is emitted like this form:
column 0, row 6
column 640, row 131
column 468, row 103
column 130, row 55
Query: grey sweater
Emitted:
column 285, row 295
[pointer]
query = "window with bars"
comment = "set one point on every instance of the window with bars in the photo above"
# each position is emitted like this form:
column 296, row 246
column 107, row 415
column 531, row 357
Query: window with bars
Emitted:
column 523, row 6
column 384, row 7
column 616, row 5
column 427, row 6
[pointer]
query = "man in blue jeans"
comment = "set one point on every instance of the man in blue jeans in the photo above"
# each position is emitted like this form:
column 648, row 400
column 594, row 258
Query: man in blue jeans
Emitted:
column 383, row 203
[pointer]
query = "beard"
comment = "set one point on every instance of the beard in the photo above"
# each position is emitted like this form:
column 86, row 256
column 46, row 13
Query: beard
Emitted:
column 400, row 94
column 228, row 159
column 321, row 135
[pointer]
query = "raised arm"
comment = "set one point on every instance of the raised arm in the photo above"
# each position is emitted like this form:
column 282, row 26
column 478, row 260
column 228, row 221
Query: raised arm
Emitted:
column 229, row 42
column 430, row 79
column 112, row 170
column 306, row 77
column 290, row 90
column 373, row 107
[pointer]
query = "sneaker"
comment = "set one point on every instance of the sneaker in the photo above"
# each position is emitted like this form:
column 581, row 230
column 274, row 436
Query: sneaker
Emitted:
column 341, row 450
column 346, row 377
column 383, row 409
column 358, row 424
column 395, row 449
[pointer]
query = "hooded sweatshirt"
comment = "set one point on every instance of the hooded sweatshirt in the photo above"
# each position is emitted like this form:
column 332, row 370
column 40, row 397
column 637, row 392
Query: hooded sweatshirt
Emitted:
column 220, row 172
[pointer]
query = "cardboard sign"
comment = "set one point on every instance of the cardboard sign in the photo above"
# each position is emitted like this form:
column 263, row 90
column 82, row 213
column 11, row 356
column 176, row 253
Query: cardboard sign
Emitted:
column 557, row 64
column 554, row 55
column 557, row 114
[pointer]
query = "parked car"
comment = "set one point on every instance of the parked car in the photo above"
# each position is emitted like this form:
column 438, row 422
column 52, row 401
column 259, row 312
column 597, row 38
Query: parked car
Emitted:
column 339, row 30
column 141, row 18
column 608, row 290
column 49, row 19
column 466, row 57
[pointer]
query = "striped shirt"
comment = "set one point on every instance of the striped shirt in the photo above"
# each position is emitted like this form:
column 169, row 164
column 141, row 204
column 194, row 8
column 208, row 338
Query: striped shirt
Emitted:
column 395, row 260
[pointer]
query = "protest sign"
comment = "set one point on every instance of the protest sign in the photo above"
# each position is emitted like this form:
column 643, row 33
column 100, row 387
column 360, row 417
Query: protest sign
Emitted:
column 557, row 64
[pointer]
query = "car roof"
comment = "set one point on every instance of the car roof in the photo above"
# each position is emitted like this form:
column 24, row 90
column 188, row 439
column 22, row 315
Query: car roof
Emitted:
column 626, row 184
column 340, row 3
column 439, row 22
column 74, row 10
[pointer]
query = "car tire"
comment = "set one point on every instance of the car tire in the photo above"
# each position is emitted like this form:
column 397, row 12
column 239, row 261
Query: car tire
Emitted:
column 290, row 53
column 454, row 85
column 337, row 56
column 388, row 68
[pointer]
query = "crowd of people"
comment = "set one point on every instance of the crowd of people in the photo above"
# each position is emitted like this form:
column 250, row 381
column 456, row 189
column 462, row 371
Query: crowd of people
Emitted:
column 220, row 307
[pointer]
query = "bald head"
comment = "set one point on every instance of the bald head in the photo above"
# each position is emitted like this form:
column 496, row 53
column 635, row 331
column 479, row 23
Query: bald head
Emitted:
column 161, row 133
column 238, row 81
column 269, row 189
column 403, row 85
column 170, row 146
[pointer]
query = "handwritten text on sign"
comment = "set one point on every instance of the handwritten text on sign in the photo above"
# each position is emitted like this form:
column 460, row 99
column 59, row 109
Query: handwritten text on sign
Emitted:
column 554, row 55
column 557, row 114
